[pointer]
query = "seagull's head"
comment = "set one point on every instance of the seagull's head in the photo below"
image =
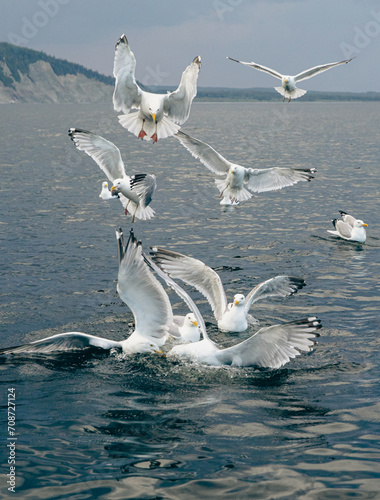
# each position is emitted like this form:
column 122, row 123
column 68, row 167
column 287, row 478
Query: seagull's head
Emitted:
column 154, row 111
column 104, row 185
column 116, row 187
column 191, row 320
column 360, row 223
column 239, row 299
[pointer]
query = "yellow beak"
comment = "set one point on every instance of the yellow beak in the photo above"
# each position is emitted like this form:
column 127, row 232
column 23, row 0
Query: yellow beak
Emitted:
column 366, row 225
column 112, row 188
column 236, row 302
column 195, row 323
column 154, row 116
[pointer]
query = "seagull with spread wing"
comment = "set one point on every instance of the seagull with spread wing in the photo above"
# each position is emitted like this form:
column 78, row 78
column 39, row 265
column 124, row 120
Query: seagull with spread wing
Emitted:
column 240, row 182
column 233, row 317
column 288, row 87
column 158, row 115
column 135, row 192
column 141, row 292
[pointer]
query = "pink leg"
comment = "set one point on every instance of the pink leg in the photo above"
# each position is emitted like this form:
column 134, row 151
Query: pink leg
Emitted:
column 154, row 136
column 142, row 132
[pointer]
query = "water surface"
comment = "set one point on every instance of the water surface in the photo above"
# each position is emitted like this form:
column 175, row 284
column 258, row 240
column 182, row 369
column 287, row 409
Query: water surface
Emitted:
column 144, row 427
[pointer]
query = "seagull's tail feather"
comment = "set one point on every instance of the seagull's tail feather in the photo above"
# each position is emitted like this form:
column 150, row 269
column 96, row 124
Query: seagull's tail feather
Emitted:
column 234, row 194
column 144, row 213
column 134, row 124
column 166, row 128
column 293, row 95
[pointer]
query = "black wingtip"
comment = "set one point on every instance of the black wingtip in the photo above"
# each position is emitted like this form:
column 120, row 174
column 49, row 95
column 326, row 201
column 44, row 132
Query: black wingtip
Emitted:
column 342, row 213
column 334, row 221
column 297, row 282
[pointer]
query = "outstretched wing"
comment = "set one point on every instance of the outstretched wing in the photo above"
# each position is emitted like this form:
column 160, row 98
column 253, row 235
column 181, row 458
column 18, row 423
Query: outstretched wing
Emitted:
column 280, row 286
column 259, row 67
column 318, row 69
column 195, row 273
column 127, row 93
column 142, row 292
column 274, row 346
column 177, row 104
column 272, row 179
column 62, row 342
column 204, row 153
column 103, row 152
column 184, row 296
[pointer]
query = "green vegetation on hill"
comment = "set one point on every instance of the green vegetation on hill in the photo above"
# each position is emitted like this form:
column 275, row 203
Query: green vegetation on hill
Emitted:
column 18, row 60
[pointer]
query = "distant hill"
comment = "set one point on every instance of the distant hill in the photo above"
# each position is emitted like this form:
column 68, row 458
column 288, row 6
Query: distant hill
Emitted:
column 269, row 94
column 28, row 75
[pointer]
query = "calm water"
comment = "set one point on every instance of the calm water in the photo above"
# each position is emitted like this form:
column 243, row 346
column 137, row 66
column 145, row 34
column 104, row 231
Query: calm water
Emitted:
column 98, row 427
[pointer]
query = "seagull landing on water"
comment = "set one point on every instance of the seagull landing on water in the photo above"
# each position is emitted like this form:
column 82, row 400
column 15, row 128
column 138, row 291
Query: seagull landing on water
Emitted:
column 288, row 87
column 135, row 191
column 141, row 292
column 233, row 317
column 240, row 182
column 349, row 228
column 158, row 115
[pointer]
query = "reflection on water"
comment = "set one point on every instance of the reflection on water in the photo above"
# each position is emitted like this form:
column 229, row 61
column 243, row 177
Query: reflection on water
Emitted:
column 98, row 426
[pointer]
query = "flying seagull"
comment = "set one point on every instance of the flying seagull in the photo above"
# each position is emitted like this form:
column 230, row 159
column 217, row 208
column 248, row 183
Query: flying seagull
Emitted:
column 349, row 228
column 158, row 115
column 233, row 317
column 240, row 182
column 135, row 191
column 288, row 87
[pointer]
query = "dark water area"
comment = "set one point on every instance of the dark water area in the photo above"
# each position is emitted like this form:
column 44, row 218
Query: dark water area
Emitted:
column 96, row 426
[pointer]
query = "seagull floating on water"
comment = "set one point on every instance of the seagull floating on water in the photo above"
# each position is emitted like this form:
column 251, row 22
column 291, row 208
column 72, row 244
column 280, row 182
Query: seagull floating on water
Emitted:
column 135, row 191
column 240, row 182
column 349, row 228
column 106, row 194
column 233, row 317
column 288, row 87
column 158, row 115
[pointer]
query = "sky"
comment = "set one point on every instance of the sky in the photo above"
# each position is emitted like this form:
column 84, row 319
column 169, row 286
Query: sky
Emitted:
column 287, row 35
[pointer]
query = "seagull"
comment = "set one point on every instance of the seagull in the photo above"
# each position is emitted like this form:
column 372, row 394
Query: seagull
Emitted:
column 349, row 228
column 135, row 191
column 240, row 182
column 158, row 115
column 106, row 194
column 186, row 328
column 233, row 317
column 139, row 289
column 288, row 87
